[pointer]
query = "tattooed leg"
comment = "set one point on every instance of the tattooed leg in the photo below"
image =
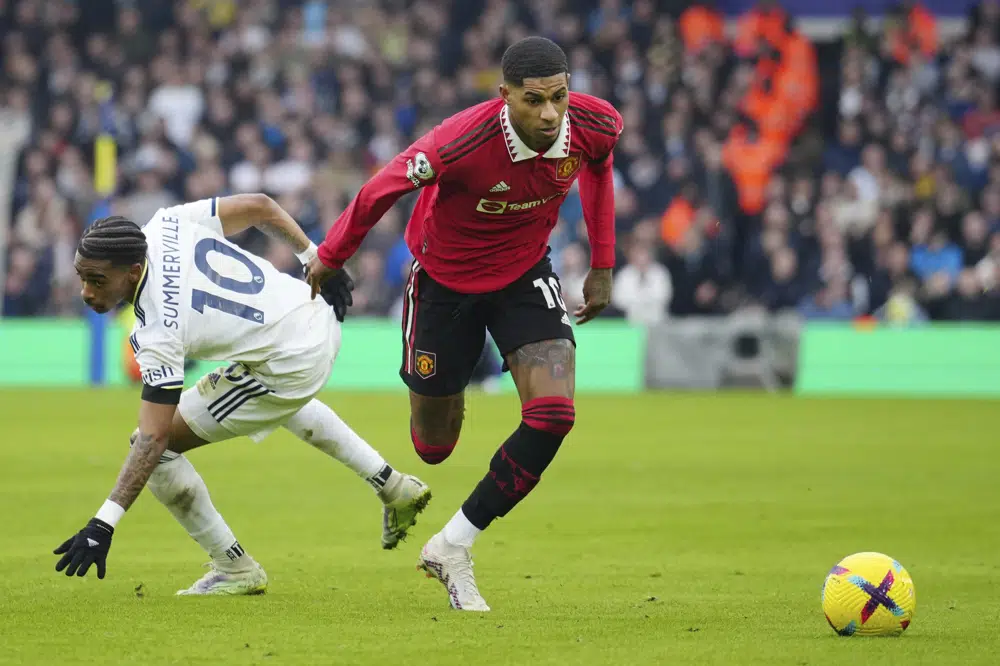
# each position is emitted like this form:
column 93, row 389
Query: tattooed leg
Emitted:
column 545, row 376
column 546, row 368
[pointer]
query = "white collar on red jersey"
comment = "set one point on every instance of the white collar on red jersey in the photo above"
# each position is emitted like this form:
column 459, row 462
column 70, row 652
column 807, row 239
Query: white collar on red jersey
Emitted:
column 519, row 151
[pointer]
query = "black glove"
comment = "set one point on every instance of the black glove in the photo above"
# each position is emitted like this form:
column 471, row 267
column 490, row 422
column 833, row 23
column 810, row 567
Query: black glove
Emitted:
column 336, row 291
column 88, row 546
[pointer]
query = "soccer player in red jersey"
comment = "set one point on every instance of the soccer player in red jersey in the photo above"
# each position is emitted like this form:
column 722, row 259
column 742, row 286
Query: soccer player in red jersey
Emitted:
column 491, row 181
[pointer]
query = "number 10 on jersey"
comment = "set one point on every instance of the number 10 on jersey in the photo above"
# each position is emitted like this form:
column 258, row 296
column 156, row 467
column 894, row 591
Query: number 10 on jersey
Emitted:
column 202, row 299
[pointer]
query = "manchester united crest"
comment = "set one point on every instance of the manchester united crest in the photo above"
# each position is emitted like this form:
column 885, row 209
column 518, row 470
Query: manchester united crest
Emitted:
column 425, row 364
column 567, row 167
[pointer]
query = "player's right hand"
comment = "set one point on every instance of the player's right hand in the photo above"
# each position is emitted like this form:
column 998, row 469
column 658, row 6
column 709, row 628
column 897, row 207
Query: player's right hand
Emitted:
column 336, row 291
column 334, row 285
column 88, row 546
column 316, row 274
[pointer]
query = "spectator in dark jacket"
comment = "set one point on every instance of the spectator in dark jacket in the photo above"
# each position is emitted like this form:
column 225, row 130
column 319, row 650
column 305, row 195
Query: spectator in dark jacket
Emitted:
column 783, row 289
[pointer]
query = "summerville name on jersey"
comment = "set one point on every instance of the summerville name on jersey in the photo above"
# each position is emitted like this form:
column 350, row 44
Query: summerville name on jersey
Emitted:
column 170, row 267
column 202, row 297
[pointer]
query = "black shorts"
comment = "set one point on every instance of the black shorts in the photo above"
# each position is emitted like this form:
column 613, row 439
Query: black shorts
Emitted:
column 444, row 331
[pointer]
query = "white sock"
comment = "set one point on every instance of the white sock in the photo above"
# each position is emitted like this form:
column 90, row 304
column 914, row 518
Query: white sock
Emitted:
column 460, row 532
column 179, row 487
column 320, row 427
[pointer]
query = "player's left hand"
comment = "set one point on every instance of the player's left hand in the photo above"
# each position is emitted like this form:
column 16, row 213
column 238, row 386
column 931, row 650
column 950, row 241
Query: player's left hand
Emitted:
column 596, row 295
column 88, row 546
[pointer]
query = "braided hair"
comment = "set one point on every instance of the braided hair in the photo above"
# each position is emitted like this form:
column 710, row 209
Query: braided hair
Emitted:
column 116, row 238
column 533, row 57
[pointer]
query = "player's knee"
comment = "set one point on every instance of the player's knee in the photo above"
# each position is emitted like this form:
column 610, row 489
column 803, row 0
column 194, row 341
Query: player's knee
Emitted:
column 174, row 481
column 434, row 444
column 435, row 425
column 550, row 414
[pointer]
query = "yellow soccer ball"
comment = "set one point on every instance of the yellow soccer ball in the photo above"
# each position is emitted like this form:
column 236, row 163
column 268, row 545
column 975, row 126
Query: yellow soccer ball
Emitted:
column 868, row 594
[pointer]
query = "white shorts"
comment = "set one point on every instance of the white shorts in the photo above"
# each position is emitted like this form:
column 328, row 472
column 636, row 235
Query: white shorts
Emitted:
column 240, row 400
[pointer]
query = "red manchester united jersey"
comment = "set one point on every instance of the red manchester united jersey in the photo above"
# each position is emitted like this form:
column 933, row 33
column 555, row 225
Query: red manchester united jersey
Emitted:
column 488, row 202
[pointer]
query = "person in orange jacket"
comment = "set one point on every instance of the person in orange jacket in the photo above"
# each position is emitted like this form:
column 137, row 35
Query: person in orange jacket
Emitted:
column 751, row 158
column 910, row 27
column 763, row 23
column 701, row 25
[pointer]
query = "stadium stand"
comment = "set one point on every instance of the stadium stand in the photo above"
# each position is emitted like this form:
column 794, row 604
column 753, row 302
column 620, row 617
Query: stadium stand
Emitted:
column 837, row 180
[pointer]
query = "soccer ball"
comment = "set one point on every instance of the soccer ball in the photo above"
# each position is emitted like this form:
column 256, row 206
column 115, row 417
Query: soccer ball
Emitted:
column 868, row 594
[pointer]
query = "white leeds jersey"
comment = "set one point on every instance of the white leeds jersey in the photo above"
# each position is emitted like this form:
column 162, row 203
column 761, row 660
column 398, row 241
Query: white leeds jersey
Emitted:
column 202, row 297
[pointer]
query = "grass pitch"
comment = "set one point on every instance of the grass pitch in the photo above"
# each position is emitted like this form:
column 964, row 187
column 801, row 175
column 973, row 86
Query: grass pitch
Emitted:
column 670, row 530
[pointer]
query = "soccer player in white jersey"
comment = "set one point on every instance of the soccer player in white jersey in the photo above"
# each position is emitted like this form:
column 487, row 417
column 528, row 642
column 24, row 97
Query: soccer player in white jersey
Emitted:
column 197, row 296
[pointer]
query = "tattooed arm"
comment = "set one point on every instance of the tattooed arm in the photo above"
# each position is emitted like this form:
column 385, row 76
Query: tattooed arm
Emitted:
column 240, row 211
column 144, row 456
column 596, row 294
column 90, row 546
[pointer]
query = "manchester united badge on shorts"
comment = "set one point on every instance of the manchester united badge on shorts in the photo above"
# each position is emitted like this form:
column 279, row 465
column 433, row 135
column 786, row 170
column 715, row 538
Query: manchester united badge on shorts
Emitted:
column 425, row 364
column 567, row 166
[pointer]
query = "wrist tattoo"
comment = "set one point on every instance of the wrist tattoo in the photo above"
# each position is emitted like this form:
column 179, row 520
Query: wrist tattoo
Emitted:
column 142, row 459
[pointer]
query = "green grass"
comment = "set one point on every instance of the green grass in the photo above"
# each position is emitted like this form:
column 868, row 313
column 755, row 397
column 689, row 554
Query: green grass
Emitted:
column 670, row 530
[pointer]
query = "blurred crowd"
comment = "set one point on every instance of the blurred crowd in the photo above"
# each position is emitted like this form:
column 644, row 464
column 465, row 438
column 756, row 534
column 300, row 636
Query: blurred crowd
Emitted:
column 757, row 169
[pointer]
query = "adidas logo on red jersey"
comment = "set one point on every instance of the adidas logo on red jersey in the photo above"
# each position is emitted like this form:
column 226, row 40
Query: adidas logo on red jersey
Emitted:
column 500, row 187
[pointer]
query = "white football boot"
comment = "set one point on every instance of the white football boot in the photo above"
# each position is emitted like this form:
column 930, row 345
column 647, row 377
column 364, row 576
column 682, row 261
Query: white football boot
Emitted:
column 218, row 582
column 403, row 497
column 452, row 565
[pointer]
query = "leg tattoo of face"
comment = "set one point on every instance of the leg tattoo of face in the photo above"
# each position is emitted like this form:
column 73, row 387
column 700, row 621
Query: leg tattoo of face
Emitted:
column 556, row 355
